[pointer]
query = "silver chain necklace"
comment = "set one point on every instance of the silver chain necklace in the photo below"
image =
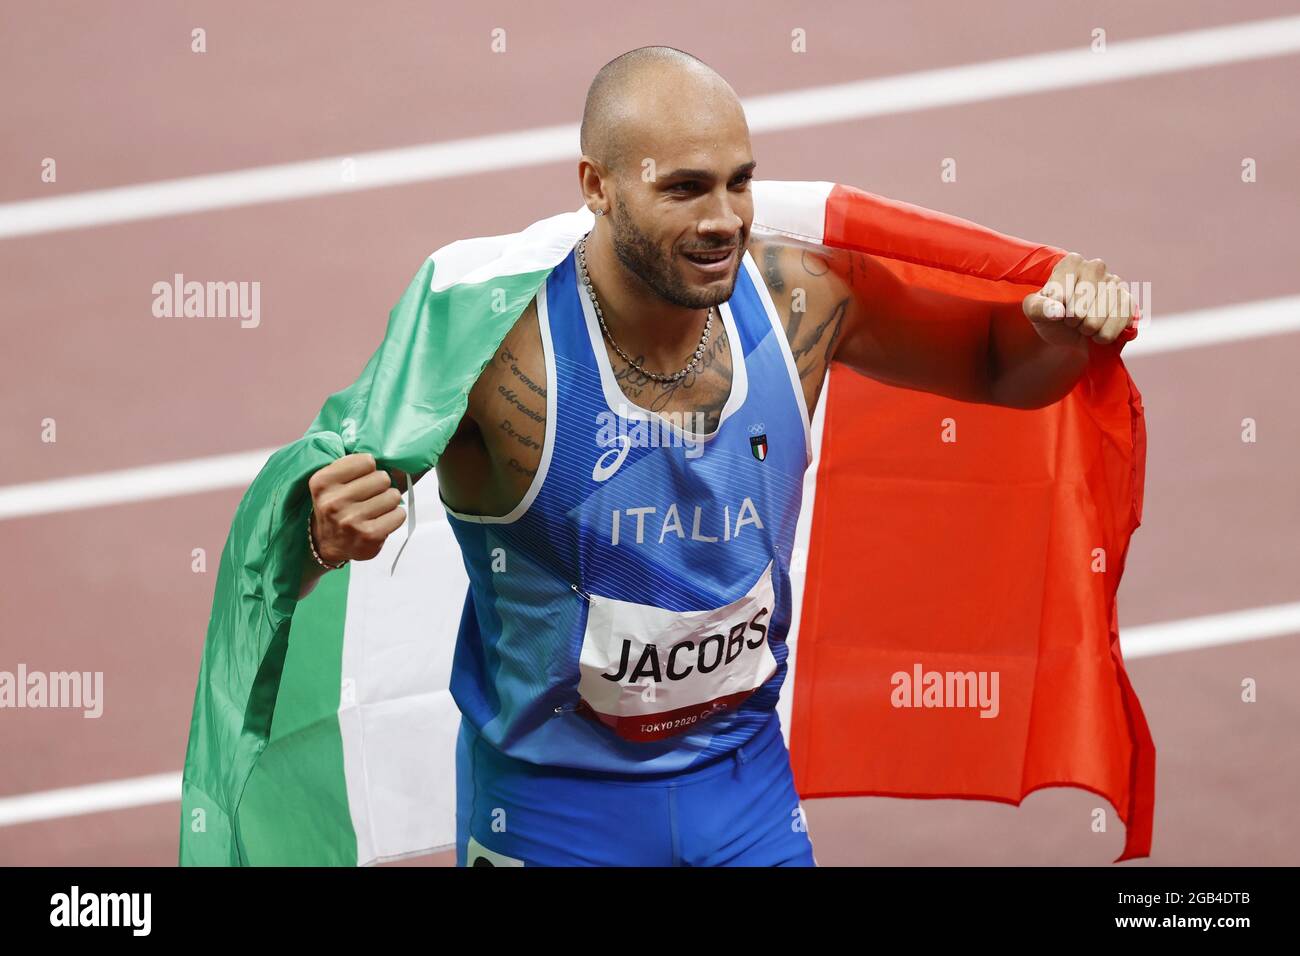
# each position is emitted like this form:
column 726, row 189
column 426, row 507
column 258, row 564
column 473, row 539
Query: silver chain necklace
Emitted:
column 658, row 377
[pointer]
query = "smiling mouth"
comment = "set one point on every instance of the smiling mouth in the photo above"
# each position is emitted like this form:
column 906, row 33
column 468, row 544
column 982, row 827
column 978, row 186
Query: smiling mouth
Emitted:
column 712, row 259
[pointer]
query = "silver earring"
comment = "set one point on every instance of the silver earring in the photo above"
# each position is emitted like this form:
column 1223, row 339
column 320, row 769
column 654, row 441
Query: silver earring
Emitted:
column 600, row 212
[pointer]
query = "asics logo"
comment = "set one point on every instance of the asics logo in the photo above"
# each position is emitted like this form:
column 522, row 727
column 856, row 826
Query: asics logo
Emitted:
column 610, row 462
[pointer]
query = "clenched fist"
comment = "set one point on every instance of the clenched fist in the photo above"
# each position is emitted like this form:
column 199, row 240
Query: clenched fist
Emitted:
column 1080, row 301
column 355, row 507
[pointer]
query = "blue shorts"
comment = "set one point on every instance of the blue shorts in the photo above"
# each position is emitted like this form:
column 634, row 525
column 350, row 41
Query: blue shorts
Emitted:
column 739, row 810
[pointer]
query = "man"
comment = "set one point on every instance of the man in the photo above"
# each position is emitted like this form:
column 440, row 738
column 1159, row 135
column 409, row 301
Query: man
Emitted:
column 622, row 647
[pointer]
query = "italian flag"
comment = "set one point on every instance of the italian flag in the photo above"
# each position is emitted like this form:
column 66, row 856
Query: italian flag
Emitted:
column 927, row 574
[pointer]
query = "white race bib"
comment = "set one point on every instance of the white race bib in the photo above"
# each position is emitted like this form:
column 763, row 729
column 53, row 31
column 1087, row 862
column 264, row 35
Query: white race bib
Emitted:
column 650, row 673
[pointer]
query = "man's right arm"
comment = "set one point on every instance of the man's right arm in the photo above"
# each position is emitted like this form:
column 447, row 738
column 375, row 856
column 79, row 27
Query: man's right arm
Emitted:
column 355, row 506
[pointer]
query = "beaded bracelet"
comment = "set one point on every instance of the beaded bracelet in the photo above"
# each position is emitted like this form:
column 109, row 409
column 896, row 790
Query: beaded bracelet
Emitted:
column 314, row 554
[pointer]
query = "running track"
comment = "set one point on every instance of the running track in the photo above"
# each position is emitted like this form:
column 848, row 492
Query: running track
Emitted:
column 1143, row 171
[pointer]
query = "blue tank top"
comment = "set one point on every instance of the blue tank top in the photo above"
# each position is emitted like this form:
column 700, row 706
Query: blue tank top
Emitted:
column 629, row 615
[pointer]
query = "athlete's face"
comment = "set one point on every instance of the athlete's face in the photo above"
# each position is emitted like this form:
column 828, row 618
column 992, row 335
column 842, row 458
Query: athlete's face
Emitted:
column 682, row 214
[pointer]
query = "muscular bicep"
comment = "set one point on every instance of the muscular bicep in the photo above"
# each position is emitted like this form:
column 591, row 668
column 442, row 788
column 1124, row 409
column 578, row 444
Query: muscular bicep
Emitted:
column 911, row 337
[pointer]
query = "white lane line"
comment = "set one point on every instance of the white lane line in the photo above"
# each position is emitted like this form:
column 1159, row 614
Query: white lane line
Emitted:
column 92, row 798
column 316, row 177
column 1160, row 334
column 1151, row 640
column 1022, row 75
column 1212, row 630
column 1229, row 323
column 926, row 89
column 132, row 484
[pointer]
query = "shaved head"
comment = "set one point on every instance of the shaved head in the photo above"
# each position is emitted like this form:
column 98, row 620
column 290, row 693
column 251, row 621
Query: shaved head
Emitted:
column 631, row 94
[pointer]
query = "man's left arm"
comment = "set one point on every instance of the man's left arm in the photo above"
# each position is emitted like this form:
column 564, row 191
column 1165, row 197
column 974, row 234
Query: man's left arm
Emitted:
column 1025, row 354
column 1038, row 347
